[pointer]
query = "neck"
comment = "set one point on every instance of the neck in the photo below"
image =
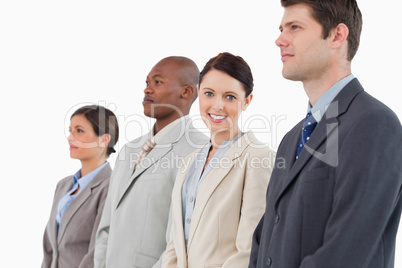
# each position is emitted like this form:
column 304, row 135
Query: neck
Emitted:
column 87, row 166
column 315, row 88
column 218, row 137
column 160, row 123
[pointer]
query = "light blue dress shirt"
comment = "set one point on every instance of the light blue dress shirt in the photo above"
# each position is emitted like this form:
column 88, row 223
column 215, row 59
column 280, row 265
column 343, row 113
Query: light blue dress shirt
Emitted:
column 67, row 199
column 195, row 177
column 320, row 107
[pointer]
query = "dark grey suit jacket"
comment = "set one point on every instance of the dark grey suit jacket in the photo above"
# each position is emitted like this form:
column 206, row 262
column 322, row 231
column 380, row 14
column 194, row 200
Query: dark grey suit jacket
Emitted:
column 74, row 245
column 340, row 203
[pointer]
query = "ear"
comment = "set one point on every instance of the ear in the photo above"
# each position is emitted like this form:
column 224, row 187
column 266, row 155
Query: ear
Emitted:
column 187, row 92
column 104, row 140
column 247, row 101
column 339, row 35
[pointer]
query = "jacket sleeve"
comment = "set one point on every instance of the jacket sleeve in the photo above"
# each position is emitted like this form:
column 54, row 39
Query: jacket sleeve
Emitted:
column 47, row 246
column 169, row 257
column 102, row 233
column 256, row 244
column 88, row 260
column 158, row 264
column 256, row 178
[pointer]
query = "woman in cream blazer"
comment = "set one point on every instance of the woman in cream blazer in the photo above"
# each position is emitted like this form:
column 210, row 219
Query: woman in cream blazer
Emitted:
column 219, row 192
column 69, row 238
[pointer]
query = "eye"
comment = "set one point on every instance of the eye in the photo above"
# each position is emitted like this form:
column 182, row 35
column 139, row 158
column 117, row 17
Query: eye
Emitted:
column 157, row 82
column 295, row 27
column 147, row 83
column 209, row 94
column 230, row 97
column 80, row 130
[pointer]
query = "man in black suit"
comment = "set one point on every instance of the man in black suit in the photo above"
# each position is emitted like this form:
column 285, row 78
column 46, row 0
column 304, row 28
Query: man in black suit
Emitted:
column 335, row 200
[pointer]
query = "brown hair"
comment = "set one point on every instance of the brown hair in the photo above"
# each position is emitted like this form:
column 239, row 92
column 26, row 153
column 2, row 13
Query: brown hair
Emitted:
column 103, row 121
column 329, row 13
column 232, row 65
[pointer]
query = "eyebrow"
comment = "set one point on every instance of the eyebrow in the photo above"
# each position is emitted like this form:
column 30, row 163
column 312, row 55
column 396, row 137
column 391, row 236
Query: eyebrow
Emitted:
column 226, row 92
column 289, row 23
column 156, row 76
column 231, row 92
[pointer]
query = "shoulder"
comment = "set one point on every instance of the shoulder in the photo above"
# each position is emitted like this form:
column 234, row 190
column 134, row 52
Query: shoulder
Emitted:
column 134, row 145
column 191, row 140
column 256, row 147
column 102, row 179
column 368, row 113
column 65, row 181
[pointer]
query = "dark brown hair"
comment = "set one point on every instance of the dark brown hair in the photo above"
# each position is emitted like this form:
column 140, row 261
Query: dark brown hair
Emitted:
column 329, row 13
column 232, row 65
column 103, row 121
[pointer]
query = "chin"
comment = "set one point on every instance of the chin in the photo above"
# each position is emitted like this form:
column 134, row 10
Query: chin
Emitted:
column 290, row 76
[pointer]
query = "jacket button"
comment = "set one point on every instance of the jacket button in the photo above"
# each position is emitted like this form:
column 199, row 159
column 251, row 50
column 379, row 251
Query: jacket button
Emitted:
column 269, row 262
column 277, row 218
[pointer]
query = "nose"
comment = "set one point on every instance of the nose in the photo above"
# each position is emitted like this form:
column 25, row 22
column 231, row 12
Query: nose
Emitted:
column 148, row 89
column 219, row 104
column 281, row 41
column 70, row 138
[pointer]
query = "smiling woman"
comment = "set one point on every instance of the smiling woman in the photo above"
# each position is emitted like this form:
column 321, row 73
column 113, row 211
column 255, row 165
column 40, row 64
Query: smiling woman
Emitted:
column 216, row 200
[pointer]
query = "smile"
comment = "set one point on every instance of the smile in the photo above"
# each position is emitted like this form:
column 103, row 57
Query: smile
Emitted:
column 217, row 118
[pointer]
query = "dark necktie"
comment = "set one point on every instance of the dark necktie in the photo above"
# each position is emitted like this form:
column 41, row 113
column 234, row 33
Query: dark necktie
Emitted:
column 308, row 127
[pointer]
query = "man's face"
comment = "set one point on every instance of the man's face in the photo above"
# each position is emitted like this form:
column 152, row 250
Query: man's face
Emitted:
column 304, row 52
column 163, row 90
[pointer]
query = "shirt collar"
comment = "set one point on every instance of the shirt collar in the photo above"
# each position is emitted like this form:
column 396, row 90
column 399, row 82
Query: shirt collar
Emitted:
column 84, row 181
column 164, row 131
column 225, row 143
column 325, row 100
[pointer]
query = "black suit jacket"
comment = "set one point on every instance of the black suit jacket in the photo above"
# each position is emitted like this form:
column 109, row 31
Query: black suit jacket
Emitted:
column 340, row 203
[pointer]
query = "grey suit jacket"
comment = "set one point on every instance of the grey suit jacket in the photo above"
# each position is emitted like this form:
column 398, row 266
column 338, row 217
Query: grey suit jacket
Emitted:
column 132, row 231
column 340, row 203
column 74, row 245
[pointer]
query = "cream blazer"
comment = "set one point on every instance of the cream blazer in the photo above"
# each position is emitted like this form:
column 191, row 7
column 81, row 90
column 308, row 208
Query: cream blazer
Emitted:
column 230, row 202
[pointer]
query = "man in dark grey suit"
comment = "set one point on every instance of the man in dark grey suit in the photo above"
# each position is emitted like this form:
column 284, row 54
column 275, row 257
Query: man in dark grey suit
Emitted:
column 334, row 198
column 134, row 224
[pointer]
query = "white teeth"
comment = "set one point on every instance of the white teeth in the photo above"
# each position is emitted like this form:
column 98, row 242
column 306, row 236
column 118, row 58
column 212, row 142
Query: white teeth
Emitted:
column 217, row 117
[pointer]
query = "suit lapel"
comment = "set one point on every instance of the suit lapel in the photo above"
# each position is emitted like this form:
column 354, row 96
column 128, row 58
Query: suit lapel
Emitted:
column 325, row 132
column 53, row 236
column 80, row 200
column 215, row 177
column 163, row 147
column 157, row 153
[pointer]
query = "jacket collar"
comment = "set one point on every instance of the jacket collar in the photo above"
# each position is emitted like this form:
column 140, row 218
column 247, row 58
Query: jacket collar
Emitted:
column 81, row 198
column 326, row 131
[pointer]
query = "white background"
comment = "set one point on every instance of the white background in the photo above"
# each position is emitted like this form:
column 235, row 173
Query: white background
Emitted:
column 57, row 55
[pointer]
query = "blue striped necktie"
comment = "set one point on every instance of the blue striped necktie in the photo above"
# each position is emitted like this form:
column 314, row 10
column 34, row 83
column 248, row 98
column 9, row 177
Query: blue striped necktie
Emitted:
column 308, row 127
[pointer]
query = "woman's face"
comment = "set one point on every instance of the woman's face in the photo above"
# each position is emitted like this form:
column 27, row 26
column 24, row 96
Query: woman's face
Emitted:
column 83, row 141
column 221, row 99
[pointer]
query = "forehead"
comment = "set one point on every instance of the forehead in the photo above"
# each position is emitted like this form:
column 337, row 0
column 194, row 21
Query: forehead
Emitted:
column 79, row 119
column 165, row 68
column 297, row 13
column 218, row 80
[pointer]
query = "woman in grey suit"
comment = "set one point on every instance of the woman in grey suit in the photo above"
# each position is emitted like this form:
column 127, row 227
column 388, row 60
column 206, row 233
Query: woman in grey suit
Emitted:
column 78, row 202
